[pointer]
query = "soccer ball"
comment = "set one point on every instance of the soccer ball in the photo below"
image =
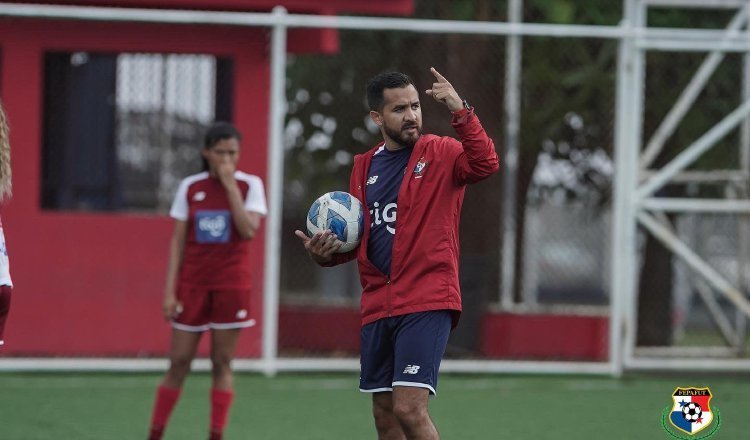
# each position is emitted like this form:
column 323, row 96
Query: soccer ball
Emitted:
column 692, row 412
column 340, row 212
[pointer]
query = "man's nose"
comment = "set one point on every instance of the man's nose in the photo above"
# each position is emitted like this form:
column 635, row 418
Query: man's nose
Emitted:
column 410, row 115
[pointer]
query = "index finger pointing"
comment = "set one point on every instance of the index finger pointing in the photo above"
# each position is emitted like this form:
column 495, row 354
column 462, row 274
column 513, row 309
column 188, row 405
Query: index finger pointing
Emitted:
column 437, row 74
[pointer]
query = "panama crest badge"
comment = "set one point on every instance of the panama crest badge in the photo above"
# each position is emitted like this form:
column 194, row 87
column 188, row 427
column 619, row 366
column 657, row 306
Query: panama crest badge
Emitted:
column 420, row 168
column 691, row 415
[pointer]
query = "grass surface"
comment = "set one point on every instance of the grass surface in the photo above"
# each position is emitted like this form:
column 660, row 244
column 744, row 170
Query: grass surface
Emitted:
column 85, row 406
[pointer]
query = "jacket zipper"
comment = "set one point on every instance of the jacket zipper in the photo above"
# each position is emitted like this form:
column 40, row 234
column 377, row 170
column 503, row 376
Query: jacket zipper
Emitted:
column 388, row 293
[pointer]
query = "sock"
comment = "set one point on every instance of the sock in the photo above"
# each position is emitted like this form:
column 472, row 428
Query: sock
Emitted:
column 166, row 398
column 155, row 433
column 221, row 400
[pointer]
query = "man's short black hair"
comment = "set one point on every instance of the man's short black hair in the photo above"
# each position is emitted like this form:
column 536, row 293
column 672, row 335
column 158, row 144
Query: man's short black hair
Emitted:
column 389, row 80
column 219, row 131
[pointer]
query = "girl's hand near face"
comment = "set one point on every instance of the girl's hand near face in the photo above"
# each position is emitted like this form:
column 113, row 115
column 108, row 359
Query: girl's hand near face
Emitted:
column 225, row 173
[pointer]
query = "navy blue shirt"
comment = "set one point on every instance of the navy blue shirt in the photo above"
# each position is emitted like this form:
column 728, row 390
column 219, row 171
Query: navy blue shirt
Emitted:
column 383, row 182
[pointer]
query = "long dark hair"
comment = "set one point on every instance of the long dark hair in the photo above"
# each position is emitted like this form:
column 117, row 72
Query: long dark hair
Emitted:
column 219, row 131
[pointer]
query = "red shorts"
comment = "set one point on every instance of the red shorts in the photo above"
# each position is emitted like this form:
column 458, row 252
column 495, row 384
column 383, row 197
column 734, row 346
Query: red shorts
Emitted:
column 4, row 308
column 205, row 308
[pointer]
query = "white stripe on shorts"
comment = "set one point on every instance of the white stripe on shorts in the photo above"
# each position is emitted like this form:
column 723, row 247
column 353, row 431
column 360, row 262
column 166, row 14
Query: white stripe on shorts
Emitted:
column 231, row 325
column 190, row 328
column 215, row 326
column 415, row 385
column 376, row 390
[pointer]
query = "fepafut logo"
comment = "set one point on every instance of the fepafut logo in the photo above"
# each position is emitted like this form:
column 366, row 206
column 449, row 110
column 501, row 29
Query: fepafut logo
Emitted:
column 420, row 168
column 690, row 413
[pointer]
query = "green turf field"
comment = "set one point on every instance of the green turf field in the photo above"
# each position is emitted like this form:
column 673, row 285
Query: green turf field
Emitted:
column 92, row 406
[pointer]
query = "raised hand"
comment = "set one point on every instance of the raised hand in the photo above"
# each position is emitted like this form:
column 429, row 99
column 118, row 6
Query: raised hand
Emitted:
column 444, row 92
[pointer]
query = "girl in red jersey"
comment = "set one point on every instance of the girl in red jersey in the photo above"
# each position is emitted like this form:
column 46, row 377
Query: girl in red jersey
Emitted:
column 6, row 286
column 217, row 213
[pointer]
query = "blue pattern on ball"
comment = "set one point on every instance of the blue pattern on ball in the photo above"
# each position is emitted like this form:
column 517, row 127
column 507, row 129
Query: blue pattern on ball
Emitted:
column 337, row 224
column 342, row 214
column 312, row 215
column 343, row 198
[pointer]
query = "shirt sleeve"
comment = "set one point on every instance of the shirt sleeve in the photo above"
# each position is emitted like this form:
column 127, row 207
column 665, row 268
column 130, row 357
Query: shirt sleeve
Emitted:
column 478, row 159
column 255, row 201
column 179, row 210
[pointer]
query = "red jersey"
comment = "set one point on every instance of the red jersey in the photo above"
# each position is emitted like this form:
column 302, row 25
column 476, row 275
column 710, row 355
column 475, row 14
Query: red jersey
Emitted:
column 424, row 267
column 215, row 255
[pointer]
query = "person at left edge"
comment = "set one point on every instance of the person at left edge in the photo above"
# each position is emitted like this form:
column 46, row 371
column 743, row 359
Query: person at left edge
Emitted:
column 217, row 213
column 6, row 285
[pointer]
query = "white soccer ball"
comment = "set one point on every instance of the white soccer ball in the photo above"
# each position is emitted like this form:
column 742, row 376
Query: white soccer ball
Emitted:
column 692, row 412
column 340, row 212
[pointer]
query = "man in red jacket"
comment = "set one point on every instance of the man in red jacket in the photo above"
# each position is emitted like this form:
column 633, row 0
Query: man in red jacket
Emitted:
column 408, row 263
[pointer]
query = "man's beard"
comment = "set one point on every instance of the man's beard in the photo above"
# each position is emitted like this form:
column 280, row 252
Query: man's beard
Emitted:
column 404, row 139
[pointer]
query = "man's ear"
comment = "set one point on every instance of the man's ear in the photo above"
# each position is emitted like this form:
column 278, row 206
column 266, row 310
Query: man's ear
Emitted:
column 376, row 118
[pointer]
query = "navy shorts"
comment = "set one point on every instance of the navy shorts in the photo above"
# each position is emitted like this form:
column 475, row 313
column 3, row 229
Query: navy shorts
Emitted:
column 403, row 350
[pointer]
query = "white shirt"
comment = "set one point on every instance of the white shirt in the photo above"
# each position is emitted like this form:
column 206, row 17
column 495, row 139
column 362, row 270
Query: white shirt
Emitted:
column 4, row 262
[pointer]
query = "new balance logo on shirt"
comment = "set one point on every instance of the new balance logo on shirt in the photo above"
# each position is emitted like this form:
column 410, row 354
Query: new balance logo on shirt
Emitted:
column 372, row 180
column 411, row 369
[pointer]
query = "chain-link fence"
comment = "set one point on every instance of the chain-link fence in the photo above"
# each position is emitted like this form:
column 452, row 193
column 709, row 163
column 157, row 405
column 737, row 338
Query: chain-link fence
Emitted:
column 564, row 183
column 154, row 108
column 671, row 306
column 564, row 179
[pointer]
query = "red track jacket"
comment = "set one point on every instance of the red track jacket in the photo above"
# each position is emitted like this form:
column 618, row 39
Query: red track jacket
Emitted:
column 424, row 268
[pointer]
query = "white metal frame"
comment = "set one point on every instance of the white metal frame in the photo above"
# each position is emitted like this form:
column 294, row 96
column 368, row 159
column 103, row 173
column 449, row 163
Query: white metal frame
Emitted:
column 636, row 206
column 510, row 160
column 634, row 39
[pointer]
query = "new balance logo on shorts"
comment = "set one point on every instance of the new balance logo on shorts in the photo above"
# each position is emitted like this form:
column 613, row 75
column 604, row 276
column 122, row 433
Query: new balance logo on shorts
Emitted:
column 411, row 369
column 372, row 180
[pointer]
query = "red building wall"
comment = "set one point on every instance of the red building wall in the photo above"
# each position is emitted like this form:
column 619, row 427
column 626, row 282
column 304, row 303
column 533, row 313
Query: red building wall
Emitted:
column 91, row 283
